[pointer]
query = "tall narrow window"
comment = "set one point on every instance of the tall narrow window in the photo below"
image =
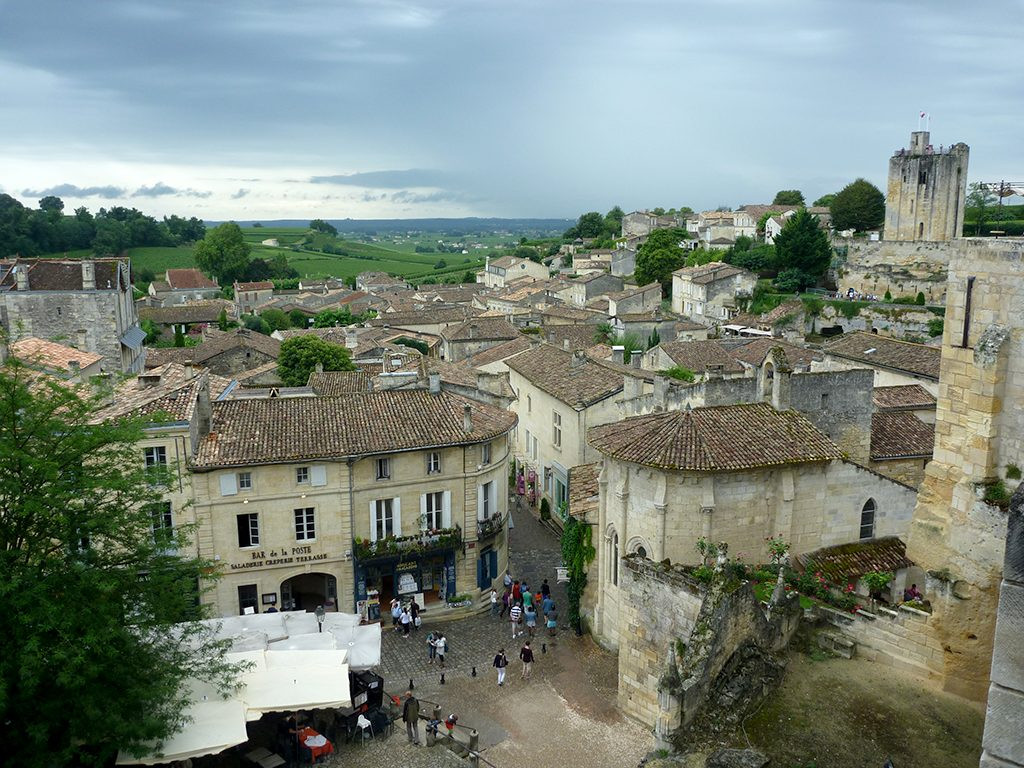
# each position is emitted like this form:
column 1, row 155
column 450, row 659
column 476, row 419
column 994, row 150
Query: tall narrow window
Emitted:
column 967, row 312
column 432, row 510
column 384, row 518
column 485, row 453
column 248, row 530
column 163, row 524
column 305, row 524
column 247, row 599
column 614, row 565
column 867, row 519
column 383, row 469
column 556, row 429
column 486, row 505
column 434, row 463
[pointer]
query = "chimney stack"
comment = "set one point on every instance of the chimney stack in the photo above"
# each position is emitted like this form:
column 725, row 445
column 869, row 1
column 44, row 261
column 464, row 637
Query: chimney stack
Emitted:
column 467, row 418
column 472, row 331
column 319, row 368
column 189, row 370
column 578, row 358
column 635, row 357
column 351, row 338
column 565, row 344
column 435, row 384
column 618, row 354
column 21, row 273
column 204, row 409
column 89, row 275
column 82, row 339
column 76, row 370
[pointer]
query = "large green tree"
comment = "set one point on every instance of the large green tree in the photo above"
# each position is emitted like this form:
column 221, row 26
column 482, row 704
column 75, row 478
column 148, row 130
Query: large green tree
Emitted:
column 980, row 204
column 223, row 253
column 788, row 197
column 659, row 257
column 91, row 582
column 825, row 201
column 859, row 205
column 300, row 355
column 803, row 245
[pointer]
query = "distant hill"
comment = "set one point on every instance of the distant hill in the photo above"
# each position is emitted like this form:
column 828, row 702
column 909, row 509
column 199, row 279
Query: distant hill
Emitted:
column 447, row 226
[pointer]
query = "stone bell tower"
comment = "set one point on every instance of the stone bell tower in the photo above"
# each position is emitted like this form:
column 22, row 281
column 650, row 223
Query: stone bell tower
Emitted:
column 927, row 191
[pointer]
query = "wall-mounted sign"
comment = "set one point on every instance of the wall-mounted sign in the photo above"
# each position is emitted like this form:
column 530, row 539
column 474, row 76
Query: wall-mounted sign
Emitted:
column 282, row 556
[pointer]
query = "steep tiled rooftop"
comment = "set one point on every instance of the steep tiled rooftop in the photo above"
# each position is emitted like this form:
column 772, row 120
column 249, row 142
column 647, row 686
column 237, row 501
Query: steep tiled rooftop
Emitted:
column 332, row 383
column 900, row 434
column 755, row 351
column 874, row 350
column 633, row 291
column 186, row 279
column 904, row 396
column 64, row 274
column 848, row 562
column 49, row 354
column 197, row 312
column 294, row 429
column 583, row 491
column 578, row 336
column 578, row 382
column 698, row 355
column 429, row 316
column 264, row 285
column 710, row 272
column 499, row 352
column 719, row 438
column 482, row 328
column 166, row 391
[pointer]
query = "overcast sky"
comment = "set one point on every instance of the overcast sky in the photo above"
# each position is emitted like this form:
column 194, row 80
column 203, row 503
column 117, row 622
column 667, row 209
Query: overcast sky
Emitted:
column 254, row 109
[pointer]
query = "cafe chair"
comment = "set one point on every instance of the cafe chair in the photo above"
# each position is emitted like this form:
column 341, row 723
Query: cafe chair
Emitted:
column 365, row 727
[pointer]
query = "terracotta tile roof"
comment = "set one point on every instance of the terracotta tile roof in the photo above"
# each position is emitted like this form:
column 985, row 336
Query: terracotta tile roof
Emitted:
column 194, row 312
column 576, row 382
column 499, row 352
column 699, row 355
column 719, row 438
column 264, row 285
column 506, row 262
column 429, row 316
column 333, row 383
column 49, row 354
column 482, row 328
column 905, row 396
column 715, row 270
column 584, row 491
column 183, row 279
column 599, row 305
column 157, row 357
column 244, row 377
column 168, row 391
column 627, row 292
column 845, row 563
column 757, row 211
column 755, row 351
column 578, row 336
column 215, row 344
column 573, row 313
column 899, row 435
column 294, row 429
column 64, row 274
column 873, row 350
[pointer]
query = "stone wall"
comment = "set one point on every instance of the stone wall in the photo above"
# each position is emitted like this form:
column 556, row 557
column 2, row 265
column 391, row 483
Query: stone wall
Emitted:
column 897, row 638
column 899, row 321
column 661, row 609
column 237, row 360
column 1004, row 721
column 902, row 268
column 839, row 404
column 909, row 471
column 979, row 429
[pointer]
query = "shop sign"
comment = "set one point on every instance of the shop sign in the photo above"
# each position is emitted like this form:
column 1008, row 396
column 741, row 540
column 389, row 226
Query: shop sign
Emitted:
column 283, row 556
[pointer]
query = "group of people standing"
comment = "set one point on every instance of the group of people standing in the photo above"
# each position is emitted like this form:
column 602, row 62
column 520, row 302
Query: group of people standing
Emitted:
column 405, row 617
column 522, row 606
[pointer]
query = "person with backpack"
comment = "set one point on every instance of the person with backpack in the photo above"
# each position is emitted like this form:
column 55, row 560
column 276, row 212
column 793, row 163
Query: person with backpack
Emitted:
column 500, row 662
column 526, row 654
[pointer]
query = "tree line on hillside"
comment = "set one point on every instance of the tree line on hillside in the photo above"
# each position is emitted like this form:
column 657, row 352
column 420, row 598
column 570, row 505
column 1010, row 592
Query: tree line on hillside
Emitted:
column 47, row 229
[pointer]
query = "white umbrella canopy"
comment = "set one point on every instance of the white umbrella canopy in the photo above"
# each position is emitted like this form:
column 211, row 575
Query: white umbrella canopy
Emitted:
column 362, row 644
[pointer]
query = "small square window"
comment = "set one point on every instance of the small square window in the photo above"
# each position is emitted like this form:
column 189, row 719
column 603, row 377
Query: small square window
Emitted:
column 302, row 475
column 383, row 469
column 156, row 456
column 245, row 481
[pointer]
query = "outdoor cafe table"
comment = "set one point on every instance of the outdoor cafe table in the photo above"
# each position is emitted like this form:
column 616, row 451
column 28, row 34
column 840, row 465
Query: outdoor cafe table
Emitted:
column 308, row 733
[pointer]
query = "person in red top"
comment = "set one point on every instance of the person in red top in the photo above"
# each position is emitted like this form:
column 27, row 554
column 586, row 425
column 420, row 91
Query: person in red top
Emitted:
column 517, row 591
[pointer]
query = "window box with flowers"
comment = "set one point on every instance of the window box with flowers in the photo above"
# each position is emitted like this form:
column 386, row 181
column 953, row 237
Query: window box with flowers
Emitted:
column 433, row 540
column 490, row 527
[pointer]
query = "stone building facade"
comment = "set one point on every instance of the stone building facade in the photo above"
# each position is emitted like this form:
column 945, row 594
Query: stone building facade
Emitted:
column 736, row 474
column 349, row 500
column 707, row 294
column 927, row 191
column 87, row 303
column 956, row 535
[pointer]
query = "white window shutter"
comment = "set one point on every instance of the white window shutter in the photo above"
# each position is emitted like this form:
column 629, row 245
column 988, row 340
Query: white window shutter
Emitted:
column 398, row 515
column 318, row 475
column 446, row 510
column 373, row 520
column 423, row 511
column 228, row 484
column 479, row 502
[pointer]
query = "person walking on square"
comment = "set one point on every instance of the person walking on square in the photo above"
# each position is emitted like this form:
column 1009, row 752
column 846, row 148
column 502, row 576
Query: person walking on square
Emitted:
column 494, row 602
column 441, row 643
column 506, row 602
column 514, row 614
column 552, row 620
column 396, row 614
column 406, row 621
column 531, row 620
column 526, row 654
column 517, row 591
column 500, row 662
column 527, row 598
column 545, row 590
column 431, row 648
column 507, row 581
column 411, row 717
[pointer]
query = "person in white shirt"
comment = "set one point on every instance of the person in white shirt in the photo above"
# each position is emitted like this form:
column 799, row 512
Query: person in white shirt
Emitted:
column 514, row 615
column 494, row 602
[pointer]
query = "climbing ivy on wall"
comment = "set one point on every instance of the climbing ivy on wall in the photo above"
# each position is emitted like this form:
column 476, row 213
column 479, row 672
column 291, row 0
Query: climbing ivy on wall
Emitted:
column 577, row 552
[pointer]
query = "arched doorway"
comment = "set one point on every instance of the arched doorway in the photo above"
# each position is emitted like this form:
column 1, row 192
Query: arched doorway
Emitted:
column 308, row 590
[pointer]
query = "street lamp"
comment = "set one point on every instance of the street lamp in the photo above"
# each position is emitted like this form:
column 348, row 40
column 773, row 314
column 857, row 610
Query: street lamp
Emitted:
column 320, row 614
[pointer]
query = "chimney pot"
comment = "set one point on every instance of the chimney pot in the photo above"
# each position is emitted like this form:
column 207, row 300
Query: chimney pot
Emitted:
column 76, row 370
column 565, row 344
column 319, row 367
column 618, row 353
column 467, row 418
column 635, row 357
column 89, row 275
column 435, row 383
column 21, row 273
column 189, row 370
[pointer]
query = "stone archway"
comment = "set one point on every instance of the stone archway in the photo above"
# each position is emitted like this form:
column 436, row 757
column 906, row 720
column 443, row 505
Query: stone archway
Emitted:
column 306, row 591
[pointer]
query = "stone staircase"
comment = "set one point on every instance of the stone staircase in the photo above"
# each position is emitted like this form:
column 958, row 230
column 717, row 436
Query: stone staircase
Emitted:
column 836, row 644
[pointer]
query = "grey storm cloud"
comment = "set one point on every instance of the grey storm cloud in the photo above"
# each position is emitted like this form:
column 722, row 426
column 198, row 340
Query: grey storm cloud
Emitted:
column 161, row 190
column 434, row 97
column 72, row 190
column 240, row 194
column 413, row 177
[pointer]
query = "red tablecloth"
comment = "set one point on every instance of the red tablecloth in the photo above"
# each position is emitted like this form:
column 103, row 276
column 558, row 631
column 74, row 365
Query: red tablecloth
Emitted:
column 326, row 749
